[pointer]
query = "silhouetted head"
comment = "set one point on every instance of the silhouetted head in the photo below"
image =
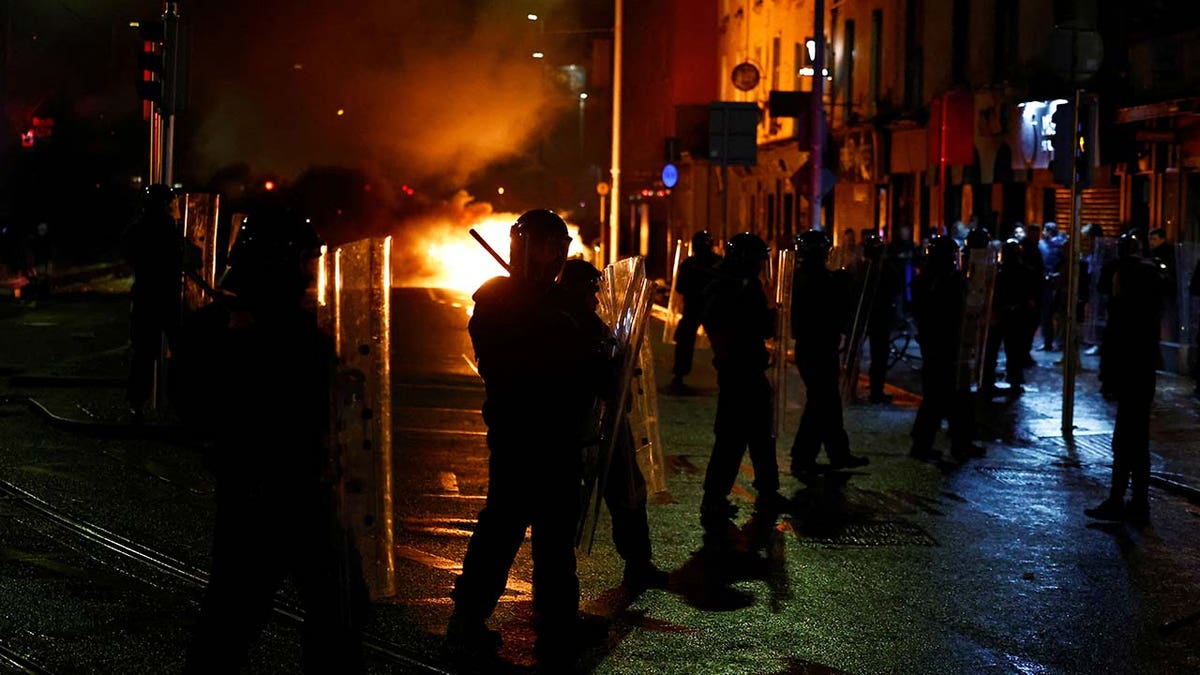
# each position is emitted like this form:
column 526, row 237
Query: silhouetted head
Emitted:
column 702, row 241
column 581, row 280
column 745, row 253
column 1011, row 252
column 538, row 244
column 872, row 245
column 1129, row 244
column 271, row 262
column 812, row 246
column 942, row 253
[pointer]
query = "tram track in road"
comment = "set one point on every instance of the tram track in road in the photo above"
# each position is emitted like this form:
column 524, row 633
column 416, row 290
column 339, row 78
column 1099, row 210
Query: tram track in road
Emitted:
column 173, row 568
column 16, row 658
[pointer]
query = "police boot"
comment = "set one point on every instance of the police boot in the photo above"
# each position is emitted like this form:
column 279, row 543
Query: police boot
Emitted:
column 642, row 575
column 717, row 520
column 470, row 639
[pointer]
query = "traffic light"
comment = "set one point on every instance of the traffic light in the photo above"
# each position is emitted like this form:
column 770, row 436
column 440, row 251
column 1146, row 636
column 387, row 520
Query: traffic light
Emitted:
column 1085, row 148
column 1062, row 165
column 150, row 61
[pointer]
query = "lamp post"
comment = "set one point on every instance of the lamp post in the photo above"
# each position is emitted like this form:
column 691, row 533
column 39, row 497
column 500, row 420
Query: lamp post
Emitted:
column 614, row 219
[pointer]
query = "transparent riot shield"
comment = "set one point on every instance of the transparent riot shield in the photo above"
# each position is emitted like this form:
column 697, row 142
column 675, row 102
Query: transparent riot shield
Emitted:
column 1095, row 313
column 785, row 268
column 865, row 283
column 674, row 300
column 643, row 420
column 980, row 272
column 199, row 212
column 353, row 304
column 1187, row 255
column 625, row 297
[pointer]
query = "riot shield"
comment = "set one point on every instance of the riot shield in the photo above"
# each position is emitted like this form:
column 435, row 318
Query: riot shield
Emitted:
column 863, row 289
column 674, row 300
column 643, row 420
column 1095, row 314
column 980, row 272
column 354, row 306
column 1187, row 258
column 785, row 267
column 199, row 213
column 625, row 297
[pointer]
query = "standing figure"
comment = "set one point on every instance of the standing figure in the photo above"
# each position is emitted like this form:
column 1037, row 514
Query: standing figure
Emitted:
column 154, row 251
column 738, row 320
column 1013, row 308
column 625, row 489
column 939, row 293
column 255, row 370
column 1052, row 248
column 1129, row 357
column 820, row 310
column 694, row 275
column 541, row 370
column 883, row 313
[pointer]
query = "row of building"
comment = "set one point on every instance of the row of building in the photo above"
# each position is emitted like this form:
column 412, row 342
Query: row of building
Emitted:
column 937, row 111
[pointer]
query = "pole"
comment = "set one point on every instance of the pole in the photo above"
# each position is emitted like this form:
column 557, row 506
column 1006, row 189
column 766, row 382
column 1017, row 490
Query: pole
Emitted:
column 818, row 112
column 1070, row 349
column 614, row 228
column 170, row 89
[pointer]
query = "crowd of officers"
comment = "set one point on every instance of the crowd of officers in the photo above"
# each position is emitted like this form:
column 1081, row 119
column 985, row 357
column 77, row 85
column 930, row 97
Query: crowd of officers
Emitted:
column 248, row 362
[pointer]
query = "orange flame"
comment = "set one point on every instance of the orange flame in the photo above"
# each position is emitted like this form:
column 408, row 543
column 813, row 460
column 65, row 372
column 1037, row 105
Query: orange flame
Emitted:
column 454, row 260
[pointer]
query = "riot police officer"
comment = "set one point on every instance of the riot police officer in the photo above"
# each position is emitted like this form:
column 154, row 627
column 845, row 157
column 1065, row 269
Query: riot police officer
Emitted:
column 541, row 370
column 694, row 275
column 939, row 293
column 886, row 291
column 254, row 369
column 1129, row 358
column 1013, row 308
column 625, row 489
column 820, row 304
column 154, row 251
column 738, row 320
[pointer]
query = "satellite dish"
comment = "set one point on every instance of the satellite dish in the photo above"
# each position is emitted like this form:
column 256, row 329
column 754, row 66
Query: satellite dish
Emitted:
column 745, row 76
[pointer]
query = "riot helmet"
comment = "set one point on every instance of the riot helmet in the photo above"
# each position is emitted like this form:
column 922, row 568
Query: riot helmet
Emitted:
column 746, row 248
column 1129, row 244
column 813, row 246
column 538, row 244
column 942, row 252
column 271, row 260
column 1012, row 253
column 702, row 241
column 872, row 245
column 158, row 195
column 581, row 280
column 978, row 237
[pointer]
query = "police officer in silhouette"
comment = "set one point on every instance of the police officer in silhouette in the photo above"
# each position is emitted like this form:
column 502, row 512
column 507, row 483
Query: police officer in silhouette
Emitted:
column 542, row 370
column 939, row 293
column 154, row 251
column 1013, row 308
column 738, row 321
column 820, row 312
column 882, row 316
column 625, row 489
column 1129, row 358
column 254, row 370
column 694, row 275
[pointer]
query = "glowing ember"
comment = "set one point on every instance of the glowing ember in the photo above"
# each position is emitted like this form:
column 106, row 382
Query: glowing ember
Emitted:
column 453, row 260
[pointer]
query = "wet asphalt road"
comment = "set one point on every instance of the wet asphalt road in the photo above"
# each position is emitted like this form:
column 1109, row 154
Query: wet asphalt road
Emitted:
column 899, row 567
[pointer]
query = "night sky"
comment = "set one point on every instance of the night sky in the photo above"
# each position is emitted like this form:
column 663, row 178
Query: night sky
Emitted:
column 433, row 91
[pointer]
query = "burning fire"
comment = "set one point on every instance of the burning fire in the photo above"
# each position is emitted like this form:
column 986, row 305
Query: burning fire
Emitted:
column 453, row 260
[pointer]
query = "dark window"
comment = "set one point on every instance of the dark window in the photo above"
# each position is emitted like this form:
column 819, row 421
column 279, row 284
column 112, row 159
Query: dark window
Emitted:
column 1007, row 34
column 913, row 67
column 960, row 32
column 775, row 54
column 848, row 70
column 876, row 57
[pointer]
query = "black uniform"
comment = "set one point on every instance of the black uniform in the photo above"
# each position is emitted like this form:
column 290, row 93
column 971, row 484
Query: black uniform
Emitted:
column 882, row 319
column 1129, row 357
column 938, row 296
column 694, row 275
column 1013, row 309
column 542, row 370
column 260, row 381
column 738, row 321
column 154, row 253
column 820, row 303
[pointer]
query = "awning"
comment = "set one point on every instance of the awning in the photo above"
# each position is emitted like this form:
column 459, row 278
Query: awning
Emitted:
column 1149, row 111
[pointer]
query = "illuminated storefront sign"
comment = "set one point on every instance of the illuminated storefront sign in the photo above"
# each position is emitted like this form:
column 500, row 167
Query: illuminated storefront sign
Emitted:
column 1037, row 129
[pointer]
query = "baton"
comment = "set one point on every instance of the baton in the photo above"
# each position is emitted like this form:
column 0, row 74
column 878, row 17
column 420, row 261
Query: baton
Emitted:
column 488, row 247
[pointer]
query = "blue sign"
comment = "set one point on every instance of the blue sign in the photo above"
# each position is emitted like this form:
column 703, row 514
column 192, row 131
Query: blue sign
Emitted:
column 670, row 175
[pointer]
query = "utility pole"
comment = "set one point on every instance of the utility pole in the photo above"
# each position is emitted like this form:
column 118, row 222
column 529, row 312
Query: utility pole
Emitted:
column 172, row 71
column 614, row 220
column 818, row 112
